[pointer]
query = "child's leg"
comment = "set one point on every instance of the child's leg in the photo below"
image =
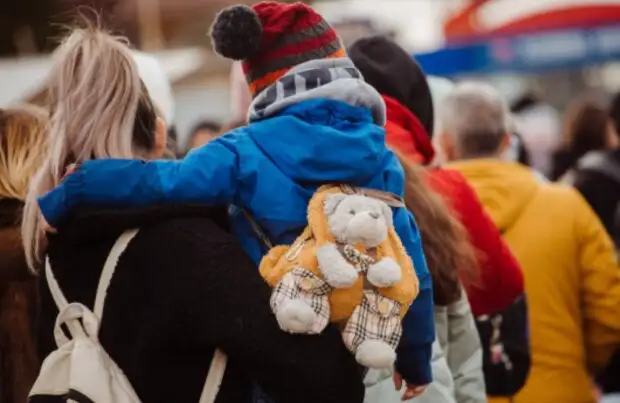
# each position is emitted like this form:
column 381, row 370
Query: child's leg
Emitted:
column 373, row 331
column 300, row 302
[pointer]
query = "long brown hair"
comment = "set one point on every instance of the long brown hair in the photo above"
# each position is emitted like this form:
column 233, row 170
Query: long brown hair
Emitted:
column 450, row 256
column 586, row 127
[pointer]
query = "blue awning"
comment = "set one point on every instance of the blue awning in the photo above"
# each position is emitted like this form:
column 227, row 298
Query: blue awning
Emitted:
column 526, row 53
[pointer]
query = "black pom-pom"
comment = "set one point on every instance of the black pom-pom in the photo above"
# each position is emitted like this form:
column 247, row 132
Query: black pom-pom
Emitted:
column 236, row 32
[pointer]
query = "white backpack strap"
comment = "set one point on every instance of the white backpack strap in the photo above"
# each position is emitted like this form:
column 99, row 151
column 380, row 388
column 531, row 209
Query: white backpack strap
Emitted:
column 108, row 270
column 214, row 377
column 219, row 361
column 64, row 311
column 59, row 298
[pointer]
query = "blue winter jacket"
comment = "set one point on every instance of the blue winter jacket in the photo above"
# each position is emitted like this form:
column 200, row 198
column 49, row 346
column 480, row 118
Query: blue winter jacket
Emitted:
column 271, row 168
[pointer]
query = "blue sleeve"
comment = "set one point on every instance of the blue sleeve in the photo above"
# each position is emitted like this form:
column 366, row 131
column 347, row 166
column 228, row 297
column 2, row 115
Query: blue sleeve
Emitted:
column 415, row 349
column 207, row 175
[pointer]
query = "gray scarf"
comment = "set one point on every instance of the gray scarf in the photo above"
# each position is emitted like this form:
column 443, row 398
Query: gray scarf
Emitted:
column 336, row 79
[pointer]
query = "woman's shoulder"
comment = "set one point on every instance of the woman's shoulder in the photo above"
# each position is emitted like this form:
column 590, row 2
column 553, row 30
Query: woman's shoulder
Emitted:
column 186, row 238
column 174, row 239
column 186, row 261
column 186, row 232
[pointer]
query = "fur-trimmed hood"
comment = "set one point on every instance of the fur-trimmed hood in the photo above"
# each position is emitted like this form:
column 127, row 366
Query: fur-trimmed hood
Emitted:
column 13, row 265
column 18, row 309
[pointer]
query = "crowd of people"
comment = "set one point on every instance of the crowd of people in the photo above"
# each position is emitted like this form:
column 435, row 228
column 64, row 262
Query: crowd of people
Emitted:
column 514, row 246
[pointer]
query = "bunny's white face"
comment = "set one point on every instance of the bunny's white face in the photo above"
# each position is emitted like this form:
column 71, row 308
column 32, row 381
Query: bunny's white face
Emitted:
column 357, row 218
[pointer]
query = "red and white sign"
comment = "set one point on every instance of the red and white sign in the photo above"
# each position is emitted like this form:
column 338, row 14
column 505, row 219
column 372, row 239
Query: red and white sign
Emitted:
column 483, row 18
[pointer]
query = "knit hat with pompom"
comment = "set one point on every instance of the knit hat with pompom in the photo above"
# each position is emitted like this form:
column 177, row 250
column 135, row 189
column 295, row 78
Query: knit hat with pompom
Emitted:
column 270, row 38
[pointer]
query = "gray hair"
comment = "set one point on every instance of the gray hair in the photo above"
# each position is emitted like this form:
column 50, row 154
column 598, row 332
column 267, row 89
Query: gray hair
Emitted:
column 477, row 119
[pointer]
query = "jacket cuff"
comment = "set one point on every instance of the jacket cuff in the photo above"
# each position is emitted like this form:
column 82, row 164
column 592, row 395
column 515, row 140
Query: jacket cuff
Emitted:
column 56, row 204
column 414, row 365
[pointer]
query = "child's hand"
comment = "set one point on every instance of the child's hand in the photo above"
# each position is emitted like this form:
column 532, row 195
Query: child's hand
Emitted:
column 411, row 391
column 46, row 227
column 70, row 169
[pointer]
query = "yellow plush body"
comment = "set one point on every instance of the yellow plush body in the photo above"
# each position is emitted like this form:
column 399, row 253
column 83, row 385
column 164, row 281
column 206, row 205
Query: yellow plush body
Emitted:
column 283, row 259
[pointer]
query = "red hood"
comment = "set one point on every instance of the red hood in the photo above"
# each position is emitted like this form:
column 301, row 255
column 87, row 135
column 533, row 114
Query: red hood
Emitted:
column 405, row 133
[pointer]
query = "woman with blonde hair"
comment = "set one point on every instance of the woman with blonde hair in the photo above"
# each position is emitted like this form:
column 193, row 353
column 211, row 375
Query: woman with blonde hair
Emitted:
column 22, row 150
column 184, row 286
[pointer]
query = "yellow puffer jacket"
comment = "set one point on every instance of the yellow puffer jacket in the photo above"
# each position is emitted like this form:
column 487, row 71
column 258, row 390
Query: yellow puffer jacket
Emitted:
column 572, row 281
column 283, row 259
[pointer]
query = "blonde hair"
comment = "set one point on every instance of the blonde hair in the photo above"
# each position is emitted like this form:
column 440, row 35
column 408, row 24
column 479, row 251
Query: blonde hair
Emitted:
column 100, row 109
column 22, row 148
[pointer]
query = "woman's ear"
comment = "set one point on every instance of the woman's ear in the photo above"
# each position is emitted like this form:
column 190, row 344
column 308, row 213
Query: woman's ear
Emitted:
column 505, row 144
column 612, row 139
column 161, row 138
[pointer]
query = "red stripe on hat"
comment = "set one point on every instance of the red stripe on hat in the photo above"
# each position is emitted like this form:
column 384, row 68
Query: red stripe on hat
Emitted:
column 273, row 31
column 277, row 18
column 295, row 49
column 265, row 56
column 265, row 81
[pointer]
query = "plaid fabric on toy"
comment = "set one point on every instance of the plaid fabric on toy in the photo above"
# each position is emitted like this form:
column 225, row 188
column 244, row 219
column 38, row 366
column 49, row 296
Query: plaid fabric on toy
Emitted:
column 376, row 318
column 302, row 284
column 361, row 260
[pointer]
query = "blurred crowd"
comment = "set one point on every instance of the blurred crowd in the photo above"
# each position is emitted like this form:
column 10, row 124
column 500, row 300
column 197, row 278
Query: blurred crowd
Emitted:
column 515, row 208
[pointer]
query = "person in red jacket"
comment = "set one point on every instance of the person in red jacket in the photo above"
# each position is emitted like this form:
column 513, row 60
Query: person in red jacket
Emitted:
column 409, row 127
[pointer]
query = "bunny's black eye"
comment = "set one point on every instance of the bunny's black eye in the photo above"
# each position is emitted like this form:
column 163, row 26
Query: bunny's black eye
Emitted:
column 351, row 212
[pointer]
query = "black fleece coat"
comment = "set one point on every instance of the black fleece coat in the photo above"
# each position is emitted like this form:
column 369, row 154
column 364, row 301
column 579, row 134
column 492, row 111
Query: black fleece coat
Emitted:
column 183, row 287
column 603, row 194
column 18, row 310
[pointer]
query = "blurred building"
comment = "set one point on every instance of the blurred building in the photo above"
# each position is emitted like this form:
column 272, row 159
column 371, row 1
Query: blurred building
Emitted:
column 558, row 47
column 174, row 31
column 30, row 26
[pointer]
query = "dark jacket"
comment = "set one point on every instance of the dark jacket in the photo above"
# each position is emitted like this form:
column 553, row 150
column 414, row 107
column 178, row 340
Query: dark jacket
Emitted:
column 183, row 287
column 603, row 194
column 602, row 191
column 18, row 304
column 409, row 109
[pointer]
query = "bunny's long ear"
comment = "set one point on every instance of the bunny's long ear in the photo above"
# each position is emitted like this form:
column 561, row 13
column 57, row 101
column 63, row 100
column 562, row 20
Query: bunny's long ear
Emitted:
column 387, row 213
column 332, row 202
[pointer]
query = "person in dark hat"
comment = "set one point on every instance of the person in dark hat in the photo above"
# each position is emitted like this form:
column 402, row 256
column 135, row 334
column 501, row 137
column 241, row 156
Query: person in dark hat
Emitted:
column 494, row 282
column 405, row 90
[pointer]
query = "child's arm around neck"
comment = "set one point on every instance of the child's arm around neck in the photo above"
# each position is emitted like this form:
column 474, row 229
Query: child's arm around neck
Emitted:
column 207, row 175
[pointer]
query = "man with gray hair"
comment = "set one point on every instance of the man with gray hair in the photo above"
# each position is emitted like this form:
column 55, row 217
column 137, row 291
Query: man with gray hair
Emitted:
column 572, row 280
column 476, row 119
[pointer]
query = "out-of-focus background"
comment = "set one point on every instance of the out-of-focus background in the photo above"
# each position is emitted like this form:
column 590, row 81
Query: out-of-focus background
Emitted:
column 549, row 50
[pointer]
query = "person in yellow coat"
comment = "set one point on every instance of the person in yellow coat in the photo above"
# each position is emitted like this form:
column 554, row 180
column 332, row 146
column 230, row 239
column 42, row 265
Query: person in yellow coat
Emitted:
column 572, row 280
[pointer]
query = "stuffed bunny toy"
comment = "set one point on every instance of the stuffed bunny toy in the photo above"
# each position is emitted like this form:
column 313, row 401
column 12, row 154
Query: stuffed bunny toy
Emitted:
column 348, row 267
